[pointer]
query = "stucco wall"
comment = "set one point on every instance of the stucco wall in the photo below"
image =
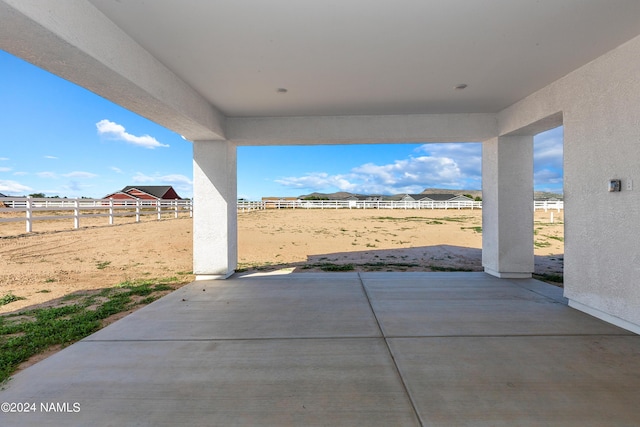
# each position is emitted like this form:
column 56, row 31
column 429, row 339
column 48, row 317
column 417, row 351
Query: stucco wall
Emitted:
column 600, row 105
column 215, row 221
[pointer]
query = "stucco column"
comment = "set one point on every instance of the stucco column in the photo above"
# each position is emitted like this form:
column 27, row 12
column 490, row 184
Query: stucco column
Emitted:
column 507, row 206
column 215, row 231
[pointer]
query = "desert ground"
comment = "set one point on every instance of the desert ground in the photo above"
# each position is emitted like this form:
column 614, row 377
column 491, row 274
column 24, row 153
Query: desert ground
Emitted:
column 56, row 260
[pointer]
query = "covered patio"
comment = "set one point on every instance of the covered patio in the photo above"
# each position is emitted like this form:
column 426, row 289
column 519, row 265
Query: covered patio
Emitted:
column 229, row 74
column 344, row 349
column 492, row 348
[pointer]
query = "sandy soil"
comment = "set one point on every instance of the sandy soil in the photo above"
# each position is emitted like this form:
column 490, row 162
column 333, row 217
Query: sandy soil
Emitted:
column 380, row 240
column 56, row 260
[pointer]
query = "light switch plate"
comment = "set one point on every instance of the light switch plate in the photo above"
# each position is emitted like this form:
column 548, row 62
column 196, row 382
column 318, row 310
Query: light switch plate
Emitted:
column 629, row 184
column 615, row 185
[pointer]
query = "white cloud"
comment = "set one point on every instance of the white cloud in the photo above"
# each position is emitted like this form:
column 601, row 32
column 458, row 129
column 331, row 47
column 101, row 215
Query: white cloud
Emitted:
column 7, row 186
column 80, row 174
column 116, row 169
column 3, row 159
column 548, row 153
column 118, row 132
column 436, row 169
column 47, row 175
column 547, row 177
column 437, row 165
column 3, row 169
column 75, row 187
column 176, row 179
column 51, row 157
column 467, row 156
column 547, row 160
column 318, row 181
column 20, row 173
column 140, row 178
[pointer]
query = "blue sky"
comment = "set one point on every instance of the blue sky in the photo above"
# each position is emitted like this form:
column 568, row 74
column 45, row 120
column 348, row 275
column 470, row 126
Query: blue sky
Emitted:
column 62, row 140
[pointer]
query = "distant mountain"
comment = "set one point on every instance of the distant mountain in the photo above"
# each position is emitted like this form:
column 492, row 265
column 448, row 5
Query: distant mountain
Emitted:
column 541, row 195
column 326, row 196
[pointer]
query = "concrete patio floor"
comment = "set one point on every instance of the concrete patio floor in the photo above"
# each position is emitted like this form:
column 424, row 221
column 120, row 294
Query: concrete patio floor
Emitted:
column 343, row 349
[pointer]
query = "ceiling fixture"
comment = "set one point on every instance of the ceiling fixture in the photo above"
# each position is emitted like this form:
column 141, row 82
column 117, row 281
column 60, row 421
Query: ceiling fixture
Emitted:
column 460, row 86
column 281, row 90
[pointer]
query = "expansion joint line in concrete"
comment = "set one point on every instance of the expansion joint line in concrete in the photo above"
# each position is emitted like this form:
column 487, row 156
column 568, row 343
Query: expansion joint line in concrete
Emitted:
column 393, row 358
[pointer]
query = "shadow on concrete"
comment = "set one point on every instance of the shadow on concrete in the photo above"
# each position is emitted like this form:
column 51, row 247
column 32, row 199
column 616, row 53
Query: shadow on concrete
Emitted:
column 422, row 258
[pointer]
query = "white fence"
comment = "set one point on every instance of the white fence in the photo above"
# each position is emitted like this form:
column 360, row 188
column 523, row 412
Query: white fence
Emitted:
column 85, row 208
column 355, row 204
column 244, row 206
column 548, row 204
column 111, row 208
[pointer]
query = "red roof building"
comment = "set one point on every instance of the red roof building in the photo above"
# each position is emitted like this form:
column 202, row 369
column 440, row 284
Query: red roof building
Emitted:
column 145, row 192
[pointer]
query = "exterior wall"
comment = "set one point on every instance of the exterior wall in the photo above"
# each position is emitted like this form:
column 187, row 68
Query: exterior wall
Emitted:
column 170, row 195
column 600, row 106
column 120, row 196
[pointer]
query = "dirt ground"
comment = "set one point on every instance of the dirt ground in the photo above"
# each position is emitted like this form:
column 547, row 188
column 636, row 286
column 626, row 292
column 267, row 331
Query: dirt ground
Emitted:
column 56, row 260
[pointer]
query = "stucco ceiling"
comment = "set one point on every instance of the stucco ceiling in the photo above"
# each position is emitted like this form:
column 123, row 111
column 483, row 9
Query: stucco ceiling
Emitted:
column 352, row 57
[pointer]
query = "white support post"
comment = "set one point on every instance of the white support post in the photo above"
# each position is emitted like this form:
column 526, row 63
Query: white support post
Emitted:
column 215, row 231
column 111, row 211
column 507, row 210
column 29, row 215
column 76, row 214
column 159, row 209
column 137, row 210
column 176, row 208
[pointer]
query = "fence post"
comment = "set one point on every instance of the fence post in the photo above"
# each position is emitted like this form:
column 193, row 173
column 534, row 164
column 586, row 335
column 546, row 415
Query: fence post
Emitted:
column 111, row 211
column 76, row 214
column 28, row 215
column 137, row 210
column 176, row 209
column 159, row 209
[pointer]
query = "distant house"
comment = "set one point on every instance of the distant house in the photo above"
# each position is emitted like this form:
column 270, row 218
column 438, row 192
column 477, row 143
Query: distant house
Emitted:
column 411, row 197
column 145, row 192
column 437, row 197
column 461, row 198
